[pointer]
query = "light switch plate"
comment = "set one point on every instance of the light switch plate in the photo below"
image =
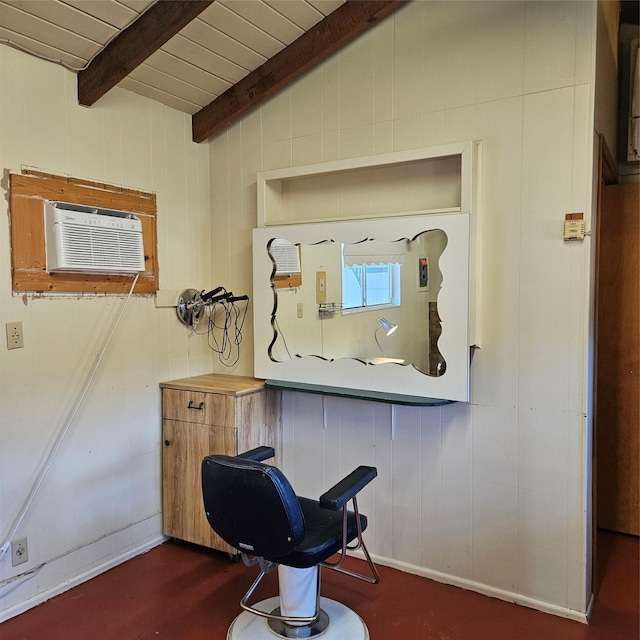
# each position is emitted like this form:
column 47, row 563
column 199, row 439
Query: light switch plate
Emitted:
column 321, row 287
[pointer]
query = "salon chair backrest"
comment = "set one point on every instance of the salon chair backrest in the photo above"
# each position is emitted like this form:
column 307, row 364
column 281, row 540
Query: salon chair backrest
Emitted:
column 251, row 506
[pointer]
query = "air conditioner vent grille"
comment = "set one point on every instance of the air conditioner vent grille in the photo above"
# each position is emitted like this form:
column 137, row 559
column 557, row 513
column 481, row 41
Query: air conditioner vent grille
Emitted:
column 285, row 255
column 101, row 241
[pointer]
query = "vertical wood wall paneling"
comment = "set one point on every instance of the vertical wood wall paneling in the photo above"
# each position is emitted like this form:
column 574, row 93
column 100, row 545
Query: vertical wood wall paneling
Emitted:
column 519, row 470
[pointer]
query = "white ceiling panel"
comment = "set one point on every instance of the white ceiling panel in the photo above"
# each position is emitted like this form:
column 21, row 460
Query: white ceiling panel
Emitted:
column 172, row 101
column 170, row 84
column 210, row 38
column 41, row 50
column 137, row 5
column 113, row 13
column 228, row 40
column 299, row 12
column 264, row 17
column 208, row 55
column 240, row 29
column 67, row 17
column 179, row 68
column 204, row 59
column 325, row 7
column 46, row 32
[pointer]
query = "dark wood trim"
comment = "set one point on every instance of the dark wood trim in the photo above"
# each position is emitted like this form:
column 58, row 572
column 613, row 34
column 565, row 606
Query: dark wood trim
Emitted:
column 609, row 168
column 330, row 34
column 133, row 45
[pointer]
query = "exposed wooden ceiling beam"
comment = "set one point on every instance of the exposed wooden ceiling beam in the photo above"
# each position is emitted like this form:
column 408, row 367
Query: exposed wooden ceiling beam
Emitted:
column 327, row 36
column 132, row 46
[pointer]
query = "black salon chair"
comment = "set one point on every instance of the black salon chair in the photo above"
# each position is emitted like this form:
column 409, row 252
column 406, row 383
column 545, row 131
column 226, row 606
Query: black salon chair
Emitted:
column 252, row 507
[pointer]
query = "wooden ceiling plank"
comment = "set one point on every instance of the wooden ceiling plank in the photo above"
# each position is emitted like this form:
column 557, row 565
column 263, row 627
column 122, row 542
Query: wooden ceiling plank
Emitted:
column 208, row 37
column 134, row 45
column 139, row 6
column 113, row 13
column 298, row 11
column 240, row 29
column 327, row 36
column 40, row 30
column 265, row 18
column 166, row 62
column 67, row 17
column 227, row 72
column 325, row 7
column 142, row 89
column 171, row 85
column 42, row 50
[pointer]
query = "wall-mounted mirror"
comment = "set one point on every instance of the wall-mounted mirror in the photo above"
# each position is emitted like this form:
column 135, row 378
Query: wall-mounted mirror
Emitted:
column 374, row 300
column 378, row 305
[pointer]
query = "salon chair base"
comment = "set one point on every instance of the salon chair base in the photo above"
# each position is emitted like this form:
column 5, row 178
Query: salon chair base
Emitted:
column 343, row 623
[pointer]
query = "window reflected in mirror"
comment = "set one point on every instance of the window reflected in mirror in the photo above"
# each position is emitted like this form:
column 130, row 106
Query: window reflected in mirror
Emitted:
column 374, row 301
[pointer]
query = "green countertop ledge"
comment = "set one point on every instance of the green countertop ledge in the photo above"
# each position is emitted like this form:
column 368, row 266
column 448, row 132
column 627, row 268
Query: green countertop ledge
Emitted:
column 358, row 394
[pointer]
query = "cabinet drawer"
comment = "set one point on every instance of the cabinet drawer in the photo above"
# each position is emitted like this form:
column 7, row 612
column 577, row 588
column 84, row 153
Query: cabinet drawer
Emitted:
column 201, row 408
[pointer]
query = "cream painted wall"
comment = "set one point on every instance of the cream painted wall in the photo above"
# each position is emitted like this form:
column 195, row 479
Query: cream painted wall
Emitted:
column 492, row 495
column 101, row 501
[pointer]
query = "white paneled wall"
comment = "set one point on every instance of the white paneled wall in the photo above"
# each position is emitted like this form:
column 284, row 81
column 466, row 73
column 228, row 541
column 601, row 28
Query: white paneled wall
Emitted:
column 101, row 500
column 492, row 495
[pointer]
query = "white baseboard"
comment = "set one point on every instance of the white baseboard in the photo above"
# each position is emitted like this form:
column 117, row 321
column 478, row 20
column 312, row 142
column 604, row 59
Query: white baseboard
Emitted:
column 493, row 592
column 76, row 580
column 592, row 600
column 437, row 576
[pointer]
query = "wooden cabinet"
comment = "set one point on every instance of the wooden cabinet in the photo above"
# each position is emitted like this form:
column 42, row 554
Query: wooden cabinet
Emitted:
column 203, row 415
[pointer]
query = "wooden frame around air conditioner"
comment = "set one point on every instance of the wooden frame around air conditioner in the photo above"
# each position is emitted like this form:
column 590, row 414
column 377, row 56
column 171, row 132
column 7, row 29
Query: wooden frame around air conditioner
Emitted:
column 28, row 189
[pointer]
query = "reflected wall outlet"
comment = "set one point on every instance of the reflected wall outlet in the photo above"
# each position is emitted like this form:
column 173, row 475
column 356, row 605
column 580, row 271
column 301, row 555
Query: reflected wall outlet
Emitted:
column 19, row 551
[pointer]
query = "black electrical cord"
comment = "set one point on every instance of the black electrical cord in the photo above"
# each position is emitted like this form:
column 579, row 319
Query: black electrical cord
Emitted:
column 224, row 336
column 279, row 333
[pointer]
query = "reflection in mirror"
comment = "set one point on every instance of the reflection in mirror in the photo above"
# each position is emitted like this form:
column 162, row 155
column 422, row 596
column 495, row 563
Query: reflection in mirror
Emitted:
column 348, row 297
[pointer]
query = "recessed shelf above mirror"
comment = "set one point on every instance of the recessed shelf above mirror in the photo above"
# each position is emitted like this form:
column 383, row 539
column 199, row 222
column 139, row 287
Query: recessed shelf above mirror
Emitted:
column 385, row 299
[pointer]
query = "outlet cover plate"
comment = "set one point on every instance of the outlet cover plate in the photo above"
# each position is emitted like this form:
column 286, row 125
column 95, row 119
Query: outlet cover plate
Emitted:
column 19, row 551
column 15, row 338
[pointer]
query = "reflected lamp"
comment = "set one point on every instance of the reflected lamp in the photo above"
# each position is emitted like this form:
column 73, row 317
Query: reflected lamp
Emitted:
column 388, row 328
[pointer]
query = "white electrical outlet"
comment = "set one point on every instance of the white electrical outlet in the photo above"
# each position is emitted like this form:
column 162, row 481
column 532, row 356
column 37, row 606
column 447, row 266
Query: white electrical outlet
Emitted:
column 19, row 551
column 15, row 339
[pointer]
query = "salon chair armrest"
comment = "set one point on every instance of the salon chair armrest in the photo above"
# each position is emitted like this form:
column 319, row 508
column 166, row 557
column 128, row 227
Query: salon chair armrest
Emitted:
column 336, row 497
column 258, row 454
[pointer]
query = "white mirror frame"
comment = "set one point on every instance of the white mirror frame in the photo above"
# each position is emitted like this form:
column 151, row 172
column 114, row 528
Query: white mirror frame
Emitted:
column 346, row 373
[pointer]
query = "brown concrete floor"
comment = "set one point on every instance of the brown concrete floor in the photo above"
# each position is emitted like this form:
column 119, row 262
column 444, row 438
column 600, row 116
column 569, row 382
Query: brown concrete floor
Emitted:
column 181, row 592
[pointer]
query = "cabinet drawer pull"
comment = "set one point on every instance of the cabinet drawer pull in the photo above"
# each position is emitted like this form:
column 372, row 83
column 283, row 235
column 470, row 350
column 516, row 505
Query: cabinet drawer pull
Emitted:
column 167, row 443
column 200, row 406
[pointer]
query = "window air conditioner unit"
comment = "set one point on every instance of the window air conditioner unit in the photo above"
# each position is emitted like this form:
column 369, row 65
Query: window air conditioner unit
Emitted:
column 90, row 240
column 286, row 257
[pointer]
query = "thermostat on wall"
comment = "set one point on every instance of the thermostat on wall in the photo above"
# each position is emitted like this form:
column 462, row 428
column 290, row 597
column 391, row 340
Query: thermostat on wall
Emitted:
column 573, row 227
